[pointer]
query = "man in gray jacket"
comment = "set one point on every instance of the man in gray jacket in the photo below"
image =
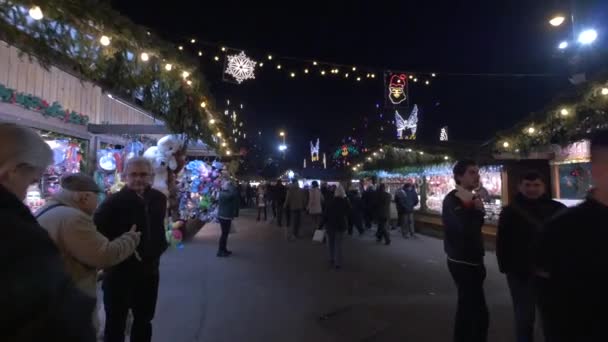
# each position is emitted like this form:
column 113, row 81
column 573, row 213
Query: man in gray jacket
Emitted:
column 68, row 219
column 295, row 203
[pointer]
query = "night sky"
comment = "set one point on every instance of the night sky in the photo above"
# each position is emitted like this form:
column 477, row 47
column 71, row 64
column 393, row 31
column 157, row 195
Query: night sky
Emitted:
column 450, row 38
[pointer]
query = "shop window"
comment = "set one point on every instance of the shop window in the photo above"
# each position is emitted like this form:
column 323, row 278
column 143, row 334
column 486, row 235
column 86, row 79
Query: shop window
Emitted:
column 574, row 180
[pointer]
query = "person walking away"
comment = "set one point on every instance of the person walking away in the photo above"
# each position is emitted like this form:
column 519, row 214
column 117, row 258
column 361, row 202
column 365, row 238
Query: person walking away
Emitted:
column 38, row 299
column 368, row 197
column 314, row 206
column 68, row 219
column 294, row 202
column 463, row 217
column 271, row 199
column 338, row 210
column 133, row 283
column 328, row 194
column 410, row 202
column 356, row 211
column 519, row 225
column 280, row 195
column 261, row 202
column 572, row 259
column 227, row 210
column 383, row 214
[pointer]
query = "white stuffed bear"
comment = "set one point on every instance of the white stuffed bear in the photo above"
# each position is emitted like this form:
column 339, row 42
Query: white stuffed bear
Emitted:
column 163, row 159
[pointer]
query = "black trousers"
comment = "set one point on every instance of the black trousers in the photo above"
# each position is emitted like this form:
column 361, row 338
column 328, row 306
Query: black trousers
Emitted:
column 472, row 317
column 225, row 225
column 280, row 211
column 137, row 291
column 382, row 232
column 367, row 216
column 356, row 220
column 523, row 293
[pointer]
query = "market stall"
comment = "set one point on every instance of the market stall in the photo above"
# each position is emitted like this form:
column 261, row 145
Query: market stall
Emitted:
column 571, row 173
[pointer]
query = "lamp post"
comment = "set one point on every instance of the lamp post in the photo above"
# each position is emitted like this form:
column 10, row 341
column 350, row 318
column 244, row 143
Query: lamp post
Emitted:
column 283, row 146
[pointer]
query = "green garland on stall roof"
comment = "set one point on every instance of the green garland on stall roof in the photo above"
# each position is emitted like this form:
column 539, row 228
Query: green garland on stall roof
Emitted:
column 34, row 103
column 587, row 112
column 68, row 37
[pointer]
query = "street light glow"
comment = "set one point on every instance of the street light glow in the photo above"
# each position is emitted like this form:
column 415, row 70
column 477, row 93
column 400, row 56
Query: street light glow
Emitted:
column 282, row 148
column 282, row 134
column 563, row 45
column 557, row 20
column 587, row 36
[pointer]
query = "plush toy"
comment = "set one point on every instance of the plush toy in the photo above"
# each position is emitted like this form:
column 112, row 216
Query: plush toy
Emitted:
column 163, row 160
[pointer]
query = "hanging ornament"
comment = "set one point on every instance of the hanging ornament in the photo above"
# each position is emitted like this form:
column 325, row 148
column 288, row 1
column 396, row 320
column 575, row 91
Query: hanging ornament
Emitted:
column 240, row 67
column 314, row 151
column 396, row 88
column 443, row 136
column 411, row 124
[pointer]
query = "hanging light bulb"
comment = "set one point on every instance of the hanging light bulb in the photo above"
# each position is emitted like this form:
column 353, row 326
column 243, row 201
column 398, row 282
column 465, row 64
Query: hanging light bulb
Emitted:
column 219, row 134
column 200, row 53
column 192, row 40
column 185, row 74
column 505, row 144
column 373, row 75
column 216, row 58
column 358, row 78
column 293, row 74
column 168, row 67
column 144, row 57
column 415, row 79
column 223, row 49
column 323, row 72
column 104, row 40
column 36, row 13
column 564, row 112
column 224, row 144
column 354, row 68
column 427, row 82
column 261, row 64
column 531, row 130
column 346, row 75
column 604, row 91
column 411, row 77
column 269, row 57
column 314, row 63
column 306, row 71
column 279, row 66
column 203, row 104
column 188, row 82
column 433, row 75
column 212, row 121
column 180, row 48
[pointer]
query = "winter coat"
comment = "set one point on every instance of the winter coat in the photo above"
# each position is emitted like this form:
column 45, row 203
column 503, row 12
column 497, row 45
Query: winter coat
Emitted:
column 338, row 210
column 406, row 200
column 462, row 225
column 280, row 192
column 38, row 300
column 83, row 248
column 356, row 203
column 295, row 199
column 119, row 212
column 315, row 199
column 382, row 205
column 228, row 204
column 518, row 230
column 369, row 200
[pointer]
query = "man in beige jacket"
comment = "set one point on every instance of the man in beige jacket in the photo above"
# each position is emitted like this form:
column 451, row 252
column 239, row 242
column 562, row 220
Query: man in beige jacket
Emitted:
column 68, row 219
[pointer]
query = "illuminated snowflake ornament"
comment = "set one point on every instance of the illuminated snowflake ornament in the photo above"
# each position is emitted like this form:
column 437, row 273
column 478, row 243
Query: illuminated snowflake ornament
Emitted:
column 240, row 67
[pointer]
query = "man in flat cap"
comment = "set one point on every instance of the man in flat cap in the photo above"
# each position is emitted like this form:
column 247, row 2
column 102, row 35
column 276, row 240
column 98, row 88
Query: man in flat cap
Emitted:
column 68, row 219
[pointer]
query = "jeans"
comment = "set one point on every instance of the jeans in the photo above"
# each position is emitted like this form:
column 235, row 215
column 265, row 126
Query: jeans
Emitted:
column 334, row 241
column 295, row 216
column 472, row 317
column 382, row 232
column 524, row 304
column 260, row 210
column 137, row 291
column 225, row 226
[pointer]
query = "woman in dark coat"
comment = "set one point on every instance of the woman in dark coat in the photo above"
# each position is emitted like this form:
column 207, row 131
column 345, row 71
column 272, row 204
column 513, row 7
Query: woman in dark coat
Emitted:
column 338, row 210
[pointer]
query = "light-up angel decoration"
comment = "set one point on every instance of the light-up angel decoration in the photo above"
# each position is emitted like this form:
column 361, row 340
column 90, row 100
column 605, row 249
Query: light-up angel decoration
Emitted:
column 411, row 124
column 314, row 151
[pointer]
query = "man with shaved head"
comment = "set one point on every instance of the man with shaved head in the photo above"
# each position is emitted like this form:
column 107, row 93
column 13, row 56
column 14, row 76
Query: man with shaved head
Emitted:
column 572, row 261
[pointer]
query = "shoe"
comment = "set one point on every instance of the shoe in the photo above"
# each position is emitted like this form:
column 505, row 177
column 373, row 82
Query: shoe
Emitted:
column 228, row 252
column 222, row 254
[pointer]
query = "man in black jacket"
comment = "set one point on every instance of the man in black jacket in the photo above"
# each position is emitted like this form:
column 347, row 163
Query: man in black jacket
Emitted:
column 133, row 284
column 573, row 259
column 463, row 217
column 518, row 229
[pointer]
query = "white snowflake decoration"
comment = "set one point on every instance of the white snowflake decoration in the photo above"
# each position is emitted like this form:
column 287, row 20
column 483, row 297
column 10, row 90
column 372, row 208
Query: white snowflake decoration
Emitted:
column 241, row 67
column 411, row 124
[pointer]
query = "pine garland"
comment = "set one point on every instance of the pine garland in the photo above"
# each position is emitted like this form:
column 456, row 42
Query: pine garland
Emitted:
column 68, row 36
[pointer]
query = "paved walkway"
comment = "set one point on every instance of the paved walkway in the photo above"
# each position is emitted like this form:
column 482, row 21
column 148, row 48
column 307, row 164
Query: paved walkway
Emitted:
column 273, row 290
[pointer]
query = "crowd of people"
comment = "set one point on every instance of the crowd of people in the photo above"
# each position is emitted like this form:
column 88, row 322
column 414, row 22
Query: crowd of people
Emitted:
column 554, row 257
